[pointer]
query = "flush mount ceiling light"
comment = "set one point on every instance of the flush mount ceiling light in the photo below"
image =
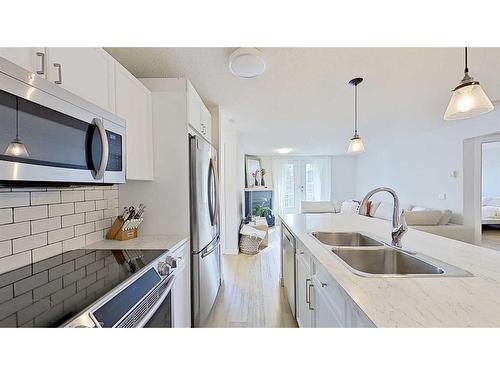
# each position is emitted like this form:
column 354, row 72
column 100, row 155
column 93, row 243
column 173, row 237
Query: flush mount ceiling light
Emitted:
column 468, row 99
column 16, row 147
column 356, row 144
column 283, row 150
column 247, row 63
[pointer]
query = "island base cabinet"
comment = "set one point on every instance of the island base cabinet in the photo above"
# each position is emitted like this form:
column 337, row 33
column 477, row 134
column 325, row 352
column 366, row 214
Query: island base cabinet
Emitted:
column 304, row 310
column 355, row 318
column 325, row 315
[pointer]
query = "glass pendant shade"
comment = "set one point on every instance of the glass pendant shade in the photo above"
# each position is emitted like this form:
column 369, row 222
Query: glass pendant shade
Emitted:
column 356, row 146
column 468, row 100
column 17, row 148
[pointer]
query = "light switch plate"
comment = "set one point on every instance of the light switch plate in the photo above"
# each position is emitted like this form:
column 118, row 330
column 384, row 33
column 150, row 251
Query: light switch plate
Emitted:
column 442, row 196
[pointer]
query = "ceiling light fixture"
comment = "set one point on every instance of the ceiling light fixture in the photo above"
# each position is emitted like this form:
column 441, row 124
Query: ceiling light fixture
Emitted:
column 468, row 99
column 283, row 150
column 247, row 63
column 16, row 147
column 356, row 144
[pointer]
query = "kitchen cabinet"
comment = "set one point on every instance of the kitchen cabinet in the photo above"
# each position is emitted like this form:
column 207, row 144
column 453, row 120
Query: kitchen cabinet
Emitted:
column 133, row 103
column 32, row 59
column 182, row 292
column 304, row 309
column 199, row 117
column 87, row 72
column 324, row 313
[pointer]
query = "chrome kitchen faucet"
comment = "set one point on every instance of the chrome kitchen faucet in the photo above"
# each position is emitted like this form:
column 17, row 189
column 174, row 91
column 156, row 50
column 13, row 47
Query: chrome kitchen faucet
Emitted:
column 399, row 226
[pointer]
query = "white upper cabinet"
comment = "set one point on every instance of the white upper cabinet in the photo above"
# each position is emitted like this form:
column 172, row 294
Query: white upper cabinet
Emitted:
column 31, row 59
column 133, row 103
column 206, row 123
column 87, row 72
column 199, row 117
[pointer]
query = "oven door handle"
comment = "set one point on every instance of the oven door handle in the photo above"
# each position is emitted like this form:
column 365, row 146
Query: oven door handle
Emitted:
column 158, row 303
column 99, row 173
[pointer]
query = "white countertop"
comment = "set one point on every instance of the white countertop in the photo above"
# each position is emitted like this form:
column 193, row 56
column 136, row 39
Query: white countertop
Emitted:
column 153, row 242
column 411, row 302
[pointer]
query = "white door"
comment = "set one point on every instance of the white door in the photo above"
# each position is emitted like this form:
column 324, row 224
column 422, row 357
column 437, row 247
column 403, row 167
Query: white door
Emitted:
column 304, row 180
column 32, row 59
column 87, row 72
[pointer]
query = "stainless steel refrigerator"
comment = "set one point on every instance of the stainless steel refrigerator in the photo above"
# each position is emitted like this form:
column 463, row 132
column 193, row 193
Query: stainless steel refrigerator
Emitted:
column 205, row 240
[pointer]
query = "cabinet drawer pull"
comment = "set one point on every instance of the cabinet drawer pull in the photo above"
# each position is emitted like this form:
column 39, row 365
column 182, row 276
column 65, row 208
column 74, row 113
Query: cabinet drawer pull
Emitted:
column 323, row 285
column 308, row 297
column 310, row 307
column 59, row 74
column 42, row 70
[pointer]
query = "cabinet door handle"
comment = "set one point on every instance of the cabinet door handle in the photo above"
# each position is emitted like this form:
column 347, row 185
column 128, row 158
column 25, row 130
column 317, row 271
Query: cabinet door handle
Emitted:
column 59, row 73
column 308, row 297
column 42, row 70
column 310, row 285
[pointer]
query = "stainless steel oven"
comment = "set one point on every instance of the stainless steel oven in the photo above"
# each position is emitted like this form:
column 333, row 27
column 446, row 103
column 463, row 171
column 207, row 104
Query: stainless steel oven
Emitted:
column 49, row 135
column 144, row 300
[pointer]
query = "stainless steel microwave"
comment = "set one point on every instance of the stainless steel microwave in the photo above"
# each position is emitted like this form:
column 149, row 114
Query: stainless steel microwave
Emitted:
column 50, row 136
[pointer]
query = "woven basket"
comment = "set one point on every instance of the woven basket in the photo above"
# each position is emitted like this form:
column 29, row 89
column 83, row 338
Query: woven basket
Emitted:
column 249, row 244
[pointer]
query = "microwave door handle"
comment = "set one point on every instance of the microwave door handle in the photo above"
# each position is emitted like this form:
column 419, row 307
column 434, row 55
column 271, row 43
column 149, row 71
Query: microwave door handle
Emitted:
column 99, row 173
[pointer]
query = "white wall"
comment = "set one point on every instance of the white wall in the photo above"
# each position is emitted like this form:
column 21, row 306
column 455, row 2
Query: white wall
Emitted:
column 343, row 177
column 232, row 184
column 419, row 167
column 491, row 170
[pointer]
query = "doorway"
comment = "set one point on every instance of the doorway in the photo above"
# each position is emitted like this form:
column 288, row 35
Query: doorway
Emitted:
column 490, row 195
column 301, row 179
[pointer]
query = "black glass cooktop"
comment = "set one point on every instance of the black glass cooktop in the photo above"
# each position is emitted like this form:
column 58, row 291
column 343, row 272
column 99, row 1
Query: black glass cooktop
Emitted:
column 49, row 292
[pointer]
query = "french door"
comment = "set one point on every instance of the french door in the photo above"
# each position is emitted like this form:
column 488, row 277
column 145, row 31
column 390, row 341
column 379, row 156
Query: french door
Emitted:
column 301, row 182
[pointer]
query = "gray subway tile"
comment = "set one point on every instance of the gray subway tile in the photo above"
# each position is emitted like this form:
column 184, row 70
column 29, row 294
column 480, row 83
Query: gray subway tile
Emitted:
column 47, row 263
column 63, row 294
column 83, row 261
column 61, row 270
column 30, row 283
column 15, row 304
column 47, row 289
column 70, row 278
column 30, row 312
column 15, row 275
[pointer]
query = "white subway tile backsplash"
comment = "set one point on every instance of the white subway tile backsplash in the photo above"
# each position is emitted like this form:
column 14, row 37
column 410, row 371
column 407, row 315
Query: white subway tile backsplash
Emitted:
column 61, row 234
column 84, row 229
column 72, row 220
column 101, row 204
column 103, row 224
column 38, row 223
column 73, row 243
column 84, row 206
column 14, row 261
column 29, row 242
column 45, row 225
column 5, row 248
column 46, row 252
column 14, row 199
column 9, row 231
column 94, row 237
column 72, row 196
column 47, row 197
column 93, row 195
column 110, row 194
column 61, row 209
column 94, row 216
column 5, row 216
column 30, row 213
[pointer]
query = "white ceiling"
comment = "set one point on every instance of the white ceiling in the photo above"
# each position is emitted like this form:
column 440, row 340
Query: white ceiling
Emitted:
column 303, row 100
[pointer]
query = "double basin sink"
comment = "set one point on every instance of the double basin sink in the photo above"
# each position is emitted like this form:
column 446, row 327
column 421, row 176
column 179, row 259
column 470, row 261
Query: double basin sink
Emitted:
column 367, row 256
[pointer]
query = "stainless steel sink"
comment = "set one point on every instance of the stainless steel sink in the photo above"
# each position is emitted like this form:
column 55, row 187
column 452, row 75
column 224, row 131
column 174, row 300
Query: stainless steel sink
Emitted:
column 386, row 261
column 346, row 239
column 366, row 256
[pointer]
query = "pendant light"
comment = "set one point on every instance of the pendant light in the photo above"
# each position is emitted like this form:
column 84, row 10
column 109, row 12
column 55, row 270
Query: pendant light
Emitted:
column 16, row 147
column 468, row 99
column 356, row 144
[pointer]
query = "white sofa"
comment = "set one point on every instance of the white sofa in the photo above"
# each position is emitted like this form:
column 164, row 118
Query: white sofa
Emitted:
column 420, row 218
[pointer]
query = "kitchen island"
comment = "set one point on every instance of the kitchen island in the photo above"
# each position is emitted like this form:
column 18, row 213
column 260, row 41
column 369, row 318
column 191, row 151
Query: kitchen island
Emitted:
column 437, row 301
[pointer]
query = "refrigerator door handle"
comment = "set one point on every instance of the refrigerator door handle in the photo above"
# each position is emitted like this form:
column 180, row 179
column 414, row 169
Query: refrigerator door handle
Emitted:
column 211, row 248
column 216, row 193
column 212, row 193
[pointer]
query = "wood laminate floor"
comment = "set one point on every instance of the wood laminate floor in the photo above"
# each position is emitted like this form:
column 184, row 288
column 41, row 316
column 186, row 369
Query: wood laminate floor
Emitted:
column 251, row 295
column 491, row 237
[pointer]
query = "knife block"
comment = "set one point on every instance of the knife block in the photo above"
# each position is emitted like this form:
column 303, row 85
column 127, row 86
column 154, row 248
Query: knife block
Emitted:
column 116, row 232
